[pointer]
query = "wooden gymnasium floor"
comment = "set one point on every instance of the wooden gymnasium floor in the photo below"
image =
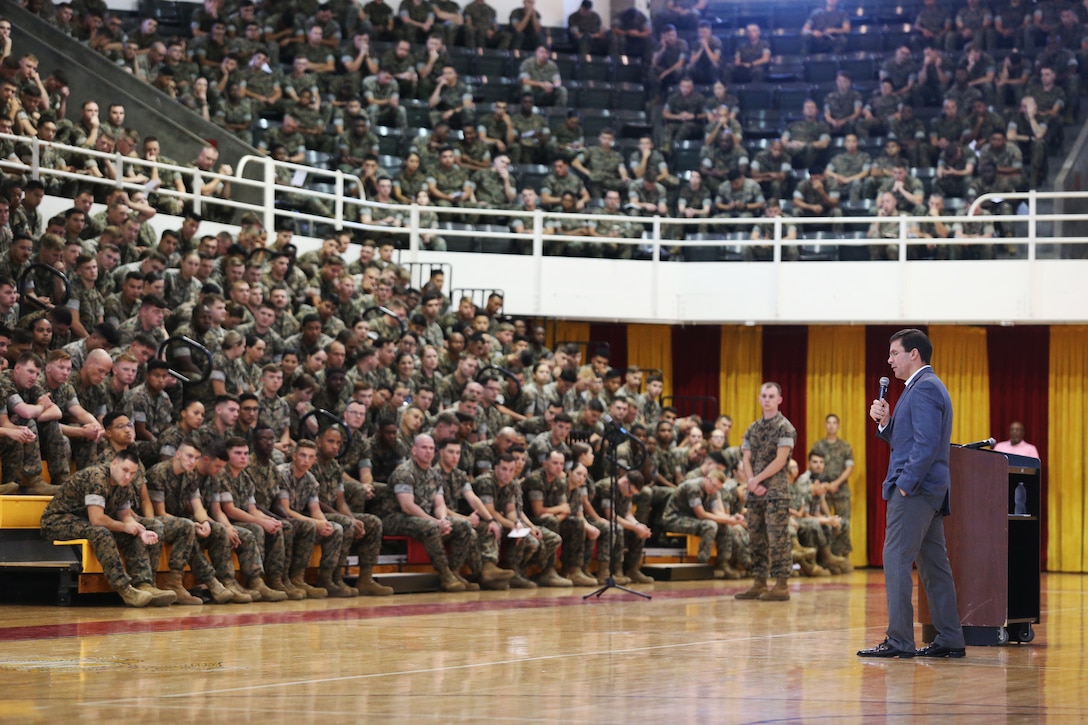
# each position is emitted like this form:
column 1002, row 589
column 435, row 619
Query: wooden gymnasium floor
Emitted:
column 691, row 655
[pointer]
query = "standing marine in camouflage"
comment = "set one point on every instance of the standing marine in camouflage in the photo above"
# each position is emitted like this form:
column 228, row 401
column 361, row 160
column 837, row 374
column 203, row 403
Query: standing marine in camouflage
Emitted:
column 838, row 466
column 766, row 451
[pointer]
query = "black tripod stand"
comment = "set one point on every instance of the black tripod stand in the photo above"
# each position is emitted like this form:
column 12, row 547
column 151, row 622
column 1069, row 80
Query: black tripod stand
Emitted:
column 612, row 439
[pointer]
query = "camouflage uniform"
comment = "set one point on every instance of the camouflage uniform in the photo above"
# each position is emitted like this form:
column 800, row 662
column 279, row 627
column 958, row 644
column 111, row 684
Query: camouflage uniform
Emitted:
column 299, row 494
column 681, row 130
column 841, row 105
column 176, row 492
column 808, row 132
column 156, row 413
column 94, row 400
column 330, row 482
column 450, row 181
column 426, row 487
column 604, row 170
column 626, row 549
column 555, row 185
column 65, row 518
column 483, row 546
column 767, row 163
column 527, row 550
column 88, row 304
column 768, row 515
column 846, row 164
column 20, row 460
column 529, row 132
column 240, row 490
column 548, row 72
column 236, row 113
column 680, row 518
column 809, row 531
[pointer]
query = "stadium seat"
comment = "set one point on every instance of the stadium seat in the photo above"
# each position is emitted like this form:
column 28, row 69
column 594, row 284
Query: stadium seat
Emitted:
column 629, row 97
column 821, row 68
column 628, row 70
column 390, row 140
column 755, row 96
column 791, row 97
column 594, row 68
column 493, row 63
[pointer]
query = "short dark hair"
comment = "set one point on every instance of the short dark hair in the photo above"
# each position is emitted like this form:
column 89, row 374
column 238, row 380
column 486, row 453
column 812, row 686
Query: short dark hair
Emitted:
column 915, row 339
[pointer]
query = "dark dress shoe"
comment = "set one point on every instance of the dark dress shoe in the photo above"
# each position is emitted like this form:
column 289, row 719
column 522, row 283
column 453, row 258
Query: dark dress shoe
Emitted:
column 885, row 649
column 939, row 650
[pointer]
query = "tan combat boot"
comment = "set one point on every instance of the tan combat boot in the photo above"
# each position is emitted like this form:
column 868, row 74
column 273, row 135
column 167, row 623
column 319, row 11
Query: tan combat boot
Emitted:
column 759, row 586
column 829, row 561
column 220, row 594
column 238, row 594
column 335, row 589
column 637, row 577
column 550, row 578
column 370, row 588
column 268, row 594
column 159, row 597
column 780, row 593
column 579, row 578
column 278, row 583
column 450, row 582
column 299, row 581
column 724, row 571
column 491, row 572
column 811, row 568
column 174, row 583
column 134, row 597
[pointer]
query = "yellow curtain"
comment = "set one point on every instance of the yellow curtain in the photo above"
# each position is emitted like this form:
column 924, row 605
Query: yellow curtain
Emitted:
column 741, row 375
column 961, row 361
column 568, row 331
column 650, row 346
column 835, row 383
column 1068, row 422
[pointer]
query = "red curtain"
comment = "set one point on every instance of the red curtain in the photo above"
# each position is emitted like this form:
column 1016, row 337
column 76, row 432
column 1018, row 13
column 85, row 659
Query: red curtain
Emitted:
column 785, row 361
column 615, row 334
column 1019, row 389
column 697, row 369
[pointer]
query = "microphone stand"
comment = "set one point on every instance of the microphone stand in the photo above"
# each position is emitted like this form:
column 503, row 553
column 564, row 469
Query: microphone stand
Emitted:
column 612, row 438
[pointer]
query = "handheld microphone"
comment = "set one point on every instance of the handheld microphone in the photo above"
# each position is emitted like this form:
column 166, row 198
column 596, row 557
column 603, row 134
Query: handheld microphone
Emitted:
column 988, row 443
column 884, row 383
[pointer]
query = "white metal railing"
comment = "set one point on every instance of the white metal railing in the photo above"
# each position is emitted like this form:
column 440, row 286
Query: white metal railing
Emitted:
column 346, row 201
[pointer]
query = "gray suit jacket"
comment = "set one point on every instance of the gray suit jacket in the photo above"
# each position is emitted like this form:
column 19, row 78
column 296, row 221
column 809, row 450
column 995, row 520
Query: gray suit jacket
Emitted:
column 920, row 432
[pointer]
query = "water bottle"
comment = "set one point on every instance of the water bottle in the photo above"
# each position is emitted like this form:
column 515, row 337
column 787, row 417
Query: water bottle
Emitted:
column 1020, row 500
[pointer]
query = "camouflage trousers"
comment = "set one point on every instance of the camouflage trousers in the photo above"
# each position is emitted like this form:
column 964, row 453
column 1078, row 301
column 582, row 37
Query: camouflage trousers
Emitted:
column 608, row 550
column 217, row 544
column 810, row 533
column 649, row 505
column 179, row 533
column 304, row 538
column 768, row 527
column 21, row 460
column 710, row 534
column 460, row 540
column 357, row 501
column 270, row 546
column 368, row 546
column 573, row 532
column 56, row 451
column 487, row 547
column 181, row 543
column 84, row 452
column 840, row 503
column 112, row 549
column 529, row 551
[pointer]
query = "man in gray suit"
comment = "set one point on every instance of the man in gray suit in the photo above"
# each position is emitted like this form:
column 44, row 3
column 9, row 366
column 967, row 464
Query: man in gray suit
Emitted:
column 916, row 489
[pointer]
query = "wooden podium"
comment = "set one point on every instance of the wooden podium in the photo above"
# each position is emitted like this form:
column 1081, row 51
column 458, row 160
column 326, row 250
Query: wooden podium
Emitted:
column 994, row 553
